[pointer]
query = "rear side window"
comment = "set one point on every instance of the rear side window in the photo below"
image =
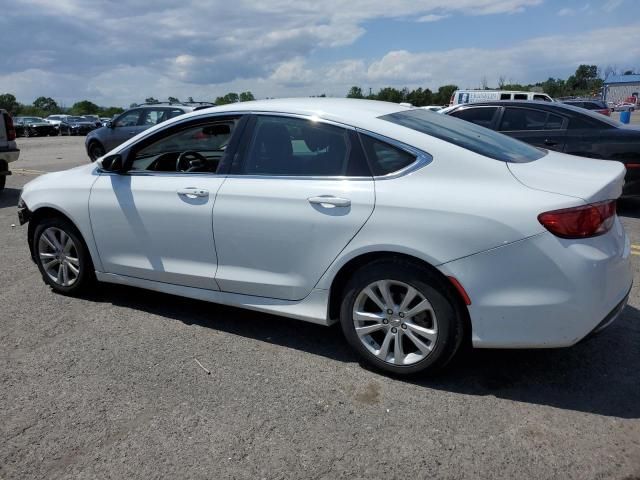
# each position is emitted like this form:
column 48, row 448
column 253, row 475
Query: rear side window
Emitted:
column 466, row 135
column 522, row 119
column 482, row 116
column 384, row 158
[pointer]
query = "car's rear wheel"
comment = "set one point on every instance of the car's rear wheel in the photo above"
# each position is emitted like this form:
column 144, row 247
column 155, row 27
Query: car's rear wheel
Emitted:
column 401, row 317
column 62, row 256
column 27, row 133
column 96, row 150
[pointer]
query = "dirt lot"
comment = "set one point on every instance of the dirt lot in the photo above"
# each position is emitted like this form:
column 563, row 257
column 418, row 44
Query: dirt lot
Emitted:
column 107, row 387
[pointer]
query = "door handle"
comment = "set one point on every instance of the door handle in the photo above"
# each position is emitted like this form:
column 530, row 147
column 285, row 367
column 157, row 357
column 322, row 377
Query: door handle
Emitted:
column 192, row 192
column 330, row 200
column 550, row 143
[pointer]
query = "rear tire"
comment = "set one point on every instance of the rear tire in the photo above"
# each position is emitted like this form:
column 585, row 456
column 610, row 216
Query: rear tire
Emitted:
column 413, row 325
column 62, row 256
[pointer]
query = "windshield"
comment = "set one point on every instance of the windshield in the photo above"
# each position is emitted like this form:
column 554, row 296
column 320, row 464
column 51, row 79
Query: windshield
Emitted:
column 466, row 135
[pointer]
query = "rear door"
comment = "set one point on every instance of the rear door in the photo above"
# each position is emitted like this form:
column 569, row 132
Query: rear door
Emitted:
column 534, row 126
column 299, row 192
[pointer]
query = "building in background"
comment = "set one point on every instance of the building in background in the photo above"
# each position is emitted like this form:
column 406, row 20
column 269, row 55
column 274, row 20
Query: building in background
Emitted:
column 621, row 87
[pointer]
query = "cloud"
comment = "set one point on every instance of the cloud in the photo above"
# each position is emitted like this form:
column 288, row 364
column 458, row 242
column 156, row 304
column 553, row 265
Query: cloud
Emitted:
column 121, row 52
column 431, row 18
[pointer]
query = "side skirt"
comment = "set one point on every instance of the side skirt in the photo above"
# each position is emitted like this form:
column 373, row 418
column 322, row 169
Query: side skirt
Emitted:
column 313, row 308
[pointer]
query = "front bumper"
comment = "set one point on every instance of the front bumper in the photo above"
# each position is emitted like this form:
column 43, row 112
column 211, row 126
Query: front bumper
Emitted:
column 544, row 291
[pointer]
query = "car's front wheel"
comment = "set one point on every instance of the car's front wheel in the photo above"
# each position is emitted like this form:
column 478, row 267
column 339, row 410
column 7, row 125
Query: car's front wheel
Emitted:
column 96, row 150
column 62, row 256
column 401, row 317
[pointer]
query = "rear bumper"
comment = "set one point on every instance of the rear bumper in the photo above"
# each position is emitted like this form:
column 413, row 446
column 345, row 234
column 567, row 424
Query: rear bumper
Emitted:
column 544, row 291
column 9, row 155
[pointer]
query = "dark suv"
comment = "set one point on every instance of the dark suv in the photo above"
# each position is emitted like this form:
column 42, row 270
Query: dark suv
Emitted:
column 131, row 123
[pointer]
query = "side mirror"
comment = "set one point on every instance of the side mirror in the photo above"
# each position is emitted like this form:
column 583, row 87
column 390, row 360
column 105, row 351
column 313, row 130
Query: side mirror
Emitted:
column 112, row 163
column 109, row 124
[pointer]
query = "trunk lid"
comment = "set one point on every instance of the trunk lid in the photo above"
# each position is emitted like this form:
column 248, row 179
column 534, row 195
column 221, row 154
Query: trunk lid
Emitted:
column 589, row 179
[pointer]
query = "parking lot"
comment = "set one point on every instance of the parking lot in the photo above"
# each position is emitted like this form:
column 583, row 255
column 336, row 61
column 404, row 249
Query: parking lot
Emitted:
column 107, row 386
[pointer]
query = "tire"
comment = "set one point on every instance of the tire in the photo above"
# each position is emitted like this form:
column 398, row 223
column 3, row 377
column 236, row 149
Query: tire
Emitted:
column 3, row 181
column 442, row 322
column 46, row 240
column 27, row 133
column 96, row 150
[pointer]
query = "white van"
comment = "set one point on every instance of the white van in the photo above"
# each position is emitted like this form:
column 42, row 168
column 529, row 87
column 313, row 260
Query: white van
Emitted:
column 475, row 96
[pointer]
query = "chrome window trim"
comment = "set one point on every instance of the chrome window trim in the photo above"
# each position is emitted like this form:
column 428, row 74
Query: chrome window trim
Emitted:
column 422, row 158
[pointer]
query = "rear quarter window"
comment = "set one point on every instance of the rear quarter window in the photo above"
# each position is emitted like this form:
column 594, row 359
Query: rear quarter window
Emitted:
column 466, row 135
column 384, row 158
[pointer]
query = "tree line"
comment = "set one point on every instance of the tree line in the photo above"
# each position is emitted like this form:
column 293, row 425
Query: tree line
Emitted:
column 45, row 106
column 586, row 81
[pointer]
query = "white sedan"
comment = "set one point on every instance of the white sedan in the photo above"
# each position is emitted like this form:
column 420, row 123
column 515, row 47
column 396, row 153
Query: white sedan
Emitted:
column 416, row 231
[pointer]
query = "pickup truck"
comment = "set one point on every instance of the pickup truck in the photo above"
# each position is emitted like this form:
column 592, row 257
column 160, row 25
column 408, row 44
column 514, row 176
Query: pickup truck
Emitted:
column 8, row 150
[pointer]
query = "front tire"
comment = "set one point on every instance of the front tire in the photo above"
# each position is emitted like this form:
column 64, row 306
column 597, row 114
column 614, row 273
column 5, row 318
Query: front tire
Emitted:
column 401, row 317
column 62, row 256
column 96, row 150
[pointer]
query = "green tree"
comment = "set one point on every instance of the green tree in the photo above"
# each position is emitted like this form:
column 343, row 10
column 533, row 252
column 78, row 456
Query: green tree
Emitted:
column 355, row 92
column 173, row 100
column 444, row 94
column 84, row 107
column 246, row 97
column 111, row 111
column 230, row 97
column 390, row 94
column 420, row 97
column 151, row 100
column 190, row 99
column 46, row 104
column 9, row 103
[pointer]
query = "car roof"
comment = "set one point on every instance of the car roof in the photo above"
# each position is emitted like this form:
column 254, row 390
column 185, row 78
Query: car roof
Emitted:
column 344, row 110
column 557, row 107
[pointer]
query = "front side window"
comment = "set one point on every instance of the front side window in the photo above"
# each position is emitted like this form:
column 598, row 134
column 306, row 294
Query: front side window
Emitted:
column 194, row 149
column 152, row 117
column 297, row 147
column 520, row 96
column 482, row 116
column 128, row 119
column 466, row 135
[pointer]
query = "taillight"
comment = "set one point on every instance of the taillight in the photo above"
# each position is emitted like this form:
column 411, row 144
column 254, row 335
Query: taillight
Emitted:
column 580, row 222
column 8, row 125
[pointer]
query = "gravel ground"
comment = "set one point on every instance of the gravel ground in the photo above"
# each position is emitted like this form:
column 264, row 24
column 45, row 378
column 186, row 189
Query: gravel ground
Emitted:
column 107, row 387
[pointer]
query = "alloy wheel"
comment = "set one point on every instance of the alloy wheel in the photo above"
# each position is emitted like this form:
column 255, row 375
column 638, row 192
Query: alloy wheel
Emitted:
column 395, row 322
column 58, row 255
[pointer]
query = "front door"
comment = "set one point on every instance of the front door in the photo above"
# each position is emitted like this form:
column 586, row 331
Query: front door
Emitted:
column 155, row 221
column 296, row 199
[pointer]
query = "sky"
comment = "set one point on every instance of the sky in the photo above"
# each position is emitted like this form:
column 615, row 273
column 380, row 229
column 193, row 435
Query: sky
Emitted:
column 116, row 52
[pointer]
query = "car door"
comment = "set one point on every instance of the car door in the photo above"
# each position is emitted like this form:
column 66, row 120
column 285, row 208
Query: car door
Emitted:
column 155, row 221
column 299, row 192
column 537, row 127
column 122, row 129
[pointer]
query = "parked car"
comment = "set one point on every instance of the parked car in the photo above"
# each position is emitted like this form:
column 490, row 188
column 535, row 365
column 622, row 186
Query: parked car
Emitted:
column 75, row 125
column 33, row 127
column 93, row 118
column 413, row 229
column 564, row 128
column 595, row 105
column 129, row 124
column 624, row 107
column 433, row 108
column 104, row 121
column 9, row 151
column 56, row 120
column 475, row 96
